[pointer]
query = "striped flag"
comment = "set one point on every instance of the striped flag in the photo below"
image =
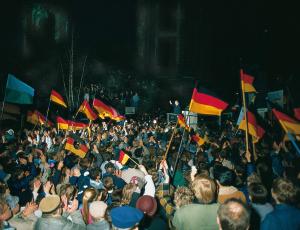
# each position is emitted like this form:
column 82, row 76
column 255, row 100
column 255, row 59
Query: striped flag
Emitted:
column 107, row 111
column 87, row 110
column 62, row 123
column 289, row 124
column 297, row 113
column 199, row 140
column 182, row 123
column 57, row 98
column 206, row 102
column 247, row 82
column 254, row 129
column 123, row 158
column 80, row 151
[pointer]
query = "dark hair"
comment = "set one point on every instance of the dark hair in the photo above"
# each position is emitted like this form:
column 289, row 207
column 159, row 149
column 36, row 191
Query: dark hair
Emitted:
column 233, row 215
column 258, row 193
column 224, row 175
column 94, row 173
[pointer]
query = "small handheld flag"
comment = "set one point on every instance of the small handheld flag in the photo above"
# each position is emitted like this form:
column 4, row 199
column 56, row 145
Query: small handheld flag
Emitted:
column 57, row 98
column 123, row 158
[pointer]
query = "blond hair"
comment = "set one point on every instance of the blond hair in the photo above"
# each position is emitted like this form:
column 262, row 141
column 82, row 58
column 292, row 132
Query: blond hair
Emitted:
column 89, row 195
column 204, row 188
column 127, row 192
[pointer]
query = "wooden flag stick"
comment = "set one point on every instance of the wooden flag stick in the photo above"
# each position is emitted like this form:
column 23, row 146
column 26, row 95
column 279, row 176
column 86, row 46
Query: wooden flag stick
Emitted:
column 170, row 142
column 245, row 111
column 133, row 161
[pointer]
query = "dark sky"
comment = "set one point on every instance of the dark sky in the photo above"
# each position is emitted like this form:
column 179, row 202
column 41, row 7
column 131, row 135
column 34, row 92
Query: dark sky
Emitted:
column 264, row 33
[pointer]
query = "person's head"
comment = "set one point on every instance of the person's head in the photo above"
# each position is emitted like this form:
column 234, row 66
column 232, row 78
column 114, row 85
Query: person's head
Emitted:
column 205, row 189
column 233, row 215
column 51, row 205
column 95, row 174
column 176, row 102
column 183, row 196
column 147, row 204
column 127, row 192
column 284, row 191
column 257, row 193
column 110, row 168
column 68, row 193
column 97, row 210
column 125, row 217
column 89, row 195
column 108, row 183
column 224, row 176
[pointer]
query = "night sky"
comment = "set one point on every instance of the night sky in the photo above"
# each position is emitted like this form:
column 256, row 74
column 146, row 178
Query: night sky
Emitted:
column 262, row 36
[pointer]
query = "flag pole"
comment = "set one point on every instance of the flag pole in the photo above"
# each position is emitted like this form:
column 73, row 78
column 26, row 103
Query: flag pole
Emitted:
column 133, row 160
column 3, row 103
column 180, row 147
column 47, row 112
column 171, row 139
column 245, row 110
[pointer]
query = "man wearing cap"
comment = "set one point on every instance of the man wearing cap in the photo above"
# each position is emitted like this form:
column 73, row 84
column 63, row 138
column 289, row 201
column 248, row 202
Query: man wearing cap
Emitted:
column 97, row 210
column 53, row 217
column 126, row 217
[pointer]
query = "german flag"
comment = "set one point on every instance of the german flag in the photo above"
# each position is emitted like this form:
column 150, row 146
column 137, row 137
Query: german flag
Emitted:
column 62, row 123
column 32, row 118
column 106, row 111
column 77, row 125
column 103, row 109
column 288, row 124
column 297, row 113
column 123, row 157
column 36, row 118
column 247, row 82
column 205, row 102
column 199, row 140
column 42, row 119
column 87, row 110
column 182, row 123
column 57, row 98
column 80, row 151
column 254, row 129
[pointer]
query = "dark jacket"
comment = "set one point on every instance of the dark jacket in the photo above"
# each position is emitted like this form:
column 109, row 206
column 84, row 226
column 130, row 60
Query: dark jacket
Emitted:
column 283, row 217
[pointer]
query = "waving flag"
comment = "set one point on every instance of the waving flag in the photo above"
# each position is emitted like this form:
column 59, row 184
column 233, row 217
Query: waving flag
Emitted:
column 107, row 111
column 36, row 118
column 199, row 140
column 206, row 102
column 62, row 123
column 297, row 113
column 182, row 123
column 87, row 110
column 123, row 157
column 254, row 129
column 17, row 91
column 57, row 98
column 79, row 150
column 289, row 124
column 247, row 82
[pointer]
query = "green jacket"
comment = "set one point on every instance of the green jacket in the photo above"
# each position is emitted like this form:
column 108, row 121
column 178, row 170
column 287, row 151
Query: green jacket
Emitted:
column 196, row 217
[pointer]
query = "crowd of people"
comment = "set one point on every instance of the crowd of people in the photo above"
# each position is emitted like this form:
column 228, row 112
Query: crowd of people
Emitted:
column 217, row 185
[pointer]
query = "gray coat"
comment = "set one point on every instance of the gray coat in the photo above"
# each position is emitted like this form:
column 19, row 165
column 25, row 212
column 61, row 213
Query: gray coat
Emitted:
column 103, row 225
column 61, row 223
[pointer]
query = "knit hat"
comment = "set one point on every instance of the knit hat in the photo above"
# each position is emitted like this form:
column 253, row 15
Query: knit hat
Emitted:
column 49, row 203
column 97, row 209
column 147, row 204
column 125, row 216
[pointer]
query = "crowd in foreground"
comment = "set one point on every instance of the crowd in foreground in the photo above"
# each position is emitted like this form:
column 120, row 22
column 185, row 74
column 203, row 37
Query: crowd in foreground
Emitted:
column 217, row 185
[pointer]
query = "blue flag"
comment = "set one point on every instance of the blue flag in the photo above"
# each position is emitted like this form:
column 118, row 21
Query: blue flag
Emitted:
column 17, row 91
